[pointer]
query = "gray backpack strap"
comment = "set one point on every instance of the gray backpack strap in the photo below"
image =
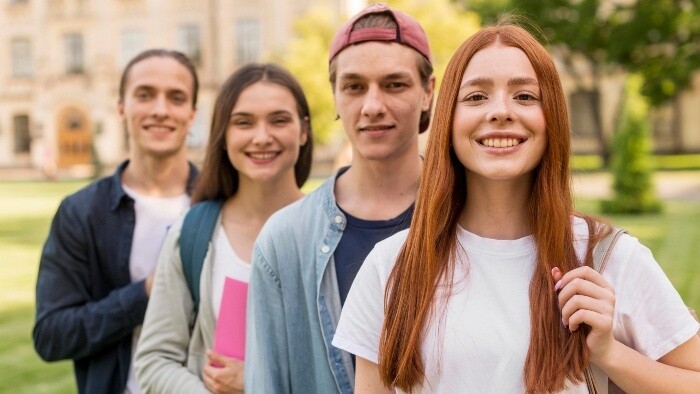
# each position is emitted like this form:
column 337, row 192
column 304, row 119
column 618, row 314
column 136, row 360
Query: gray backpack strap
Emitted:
column 603, row 249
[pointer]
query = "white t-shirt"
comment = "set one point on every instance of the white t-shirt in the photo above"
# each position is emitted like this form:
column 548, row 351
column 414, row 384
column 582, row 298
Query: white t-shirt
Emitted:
column 154, row 215
column 479, row 338
column 226, row 264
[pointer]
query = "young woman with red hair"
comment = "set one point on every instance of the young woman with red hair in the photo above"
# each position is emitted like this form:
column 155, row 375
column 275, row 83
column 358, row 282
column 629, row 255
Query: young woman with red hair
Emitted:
column 491, row 289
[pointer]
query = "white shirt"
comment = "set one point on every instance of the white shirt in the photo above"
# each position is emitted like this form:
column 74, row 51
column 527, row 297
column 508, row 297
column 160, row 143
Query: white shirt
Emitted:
column 479, row 337
column 226, row 264
column 154, row 215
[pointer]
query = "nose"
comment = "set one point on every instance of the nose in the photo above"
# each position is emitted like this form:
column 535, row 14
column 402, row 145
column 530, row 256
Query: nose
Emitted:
column 262, row 135
column 373, row 104
column 160, row 107
column 500, row 109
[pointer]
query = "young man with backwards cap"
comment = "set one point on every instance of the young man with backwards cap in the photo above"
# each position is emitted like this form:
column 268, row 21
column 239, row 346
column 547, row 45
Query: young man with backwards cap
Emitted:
column 308, row 254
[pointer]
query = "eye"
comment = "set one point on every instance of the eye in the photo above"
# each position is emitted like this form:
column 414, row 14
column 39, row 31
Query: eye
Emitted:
column 397, row 85
column 353, row 87
column 281, row 121
column 142, row 95
column 178, row 98
column 241, row 122
column 475, row 97
column 526, row 96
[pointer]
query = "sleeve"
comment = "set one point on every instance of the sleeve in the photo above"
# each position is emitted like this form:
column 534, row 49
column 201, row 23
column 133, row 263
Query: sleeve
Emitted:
column 362, row 318
column 267, row 367
column 69, row 323
column 651, row 317
column 162, row 352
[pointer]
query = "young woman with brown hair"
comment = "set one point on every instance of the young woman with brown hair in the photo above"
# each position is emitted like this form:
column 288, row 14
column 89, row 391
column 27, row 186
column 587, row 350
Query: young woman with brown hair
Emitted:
column 472, row 298
column 258, row 156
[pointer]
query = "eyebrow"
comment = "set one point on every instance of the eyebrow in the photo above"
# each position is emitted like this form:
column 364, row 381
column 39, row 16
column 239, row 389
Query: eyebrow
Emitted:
column 274, row 113
column 515, row 81
column 356, row 76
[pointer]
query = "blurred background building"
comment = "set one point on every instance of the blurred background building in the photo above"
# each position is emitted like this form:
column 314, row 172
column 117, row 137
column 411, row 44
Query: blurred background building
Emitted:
column 61, row 60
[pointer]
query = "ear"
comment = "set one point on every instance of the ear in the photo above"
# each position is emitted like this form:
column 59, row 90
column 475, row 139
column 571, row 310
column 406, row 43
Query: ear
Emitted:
column 120, row 109
column 428, row 96
column 305, row 127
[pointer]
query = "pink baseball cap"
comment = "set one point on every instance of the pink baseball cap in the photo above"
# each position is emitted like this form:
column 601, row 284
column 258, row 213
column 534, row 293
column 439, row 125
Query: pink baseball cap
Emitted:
column 408, row 32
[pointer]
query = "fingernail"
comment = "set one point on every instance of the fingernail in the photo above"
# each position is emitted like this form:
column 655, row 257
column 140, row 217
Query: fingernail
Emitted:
column 564, row 323
column 557, row 286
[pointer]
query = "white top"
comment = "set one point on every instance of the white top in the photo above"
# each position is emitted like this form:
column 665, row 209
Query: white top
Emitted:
column 154, row 216
column 226, row 264
column 479, row 340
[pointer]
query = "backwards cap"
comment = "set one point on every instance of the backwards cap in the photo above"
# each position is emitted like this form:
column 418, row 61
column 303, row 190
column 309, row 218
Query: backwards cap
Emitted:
column 408, row 32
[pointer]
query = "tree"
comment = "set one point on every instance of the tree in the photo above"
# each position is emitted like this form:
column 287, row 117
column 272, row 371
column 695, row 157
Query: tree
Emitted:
column 634, row 192
column 445, row 23
column 659, row 39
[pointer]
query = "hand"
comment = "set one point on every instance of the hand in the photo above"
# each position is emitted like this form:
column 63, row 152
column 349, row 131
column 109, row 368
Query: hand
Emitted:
column 148, row 284
column 223, row 374
column 586, row 298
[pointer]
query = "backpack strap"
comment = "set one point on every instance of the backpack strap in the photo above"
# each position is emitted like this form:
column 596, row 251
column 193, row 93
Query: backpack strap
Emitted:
column 604, row 247
column 197, row 229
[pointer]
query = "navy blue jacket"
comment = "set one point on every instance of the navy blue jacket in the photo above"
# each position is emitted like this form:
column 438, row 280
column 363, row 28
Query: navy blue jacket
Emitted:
column 86, row 306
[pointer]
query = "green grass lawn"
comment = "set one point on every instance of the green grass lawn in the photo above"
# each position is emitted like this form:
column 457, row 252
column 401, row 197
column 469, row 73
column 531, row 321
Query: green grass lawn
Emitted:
column 26, row 209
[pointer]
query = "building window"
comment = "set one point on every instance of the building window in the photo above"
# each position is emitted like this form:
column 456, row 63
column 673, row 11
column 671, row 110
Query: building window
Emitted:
column 132, row 45
column 21, row 57
column 73, row 47
column 20, row 124
column 248, row 41
column 583, row 113
column 188, row 42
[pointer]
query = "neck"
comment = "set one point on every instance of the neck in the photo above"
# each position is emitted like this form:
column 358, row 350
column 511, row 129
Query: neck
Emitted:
column 379, row 190
column 255, row 202
column 157, row 177
column 497, row 209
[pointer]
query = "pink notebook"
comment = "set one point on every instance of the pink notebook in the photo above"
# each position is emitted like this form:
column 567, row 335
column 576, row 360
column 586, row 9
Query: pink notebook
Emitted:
column 229, row 338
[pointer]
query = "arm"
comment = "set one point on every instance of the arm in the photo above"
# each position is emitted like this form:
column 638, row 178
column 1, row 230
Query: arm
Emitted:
column 163, row 348
column 267, row 359
column 70, row 323
column 367, row 378
column 586, row 298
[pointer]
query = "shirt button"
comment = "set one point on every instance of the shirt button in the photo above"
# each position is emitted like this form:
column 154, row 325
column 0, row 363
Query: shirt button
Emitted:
column 338, row 219
column 325, row 249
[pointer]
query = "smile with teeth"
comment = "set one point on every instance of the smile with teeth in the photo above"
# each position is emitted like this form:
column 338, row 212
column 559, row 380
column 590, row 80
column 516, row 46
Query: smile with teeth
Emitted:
column 262, row 155
column 500, row 142
column 157, row 128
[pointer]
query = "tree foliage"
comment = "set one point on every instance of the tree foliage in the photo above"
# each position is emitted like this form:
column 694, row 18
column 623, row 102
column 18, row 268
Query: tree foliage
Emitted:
column 659, row 39
column 445, row 23
column 634, row 192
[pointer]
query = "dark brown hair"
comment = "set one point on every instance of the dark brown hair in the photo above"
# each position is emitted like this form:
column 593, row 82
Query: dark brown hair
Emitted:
column 218, row 178
column 160, row 52
column 428, row 256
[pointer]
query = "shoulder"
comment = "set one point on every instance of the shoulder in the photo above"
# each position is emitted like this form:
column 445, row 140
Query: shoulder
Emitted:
column 383, row 255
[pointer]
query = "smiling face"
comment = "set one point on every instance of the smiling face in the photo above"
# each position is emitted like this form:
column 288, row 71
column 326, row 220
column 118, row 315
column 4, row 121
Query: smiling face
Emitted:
column 499, row 128
column 264, row 133
column 379, row 98
column 157, row 107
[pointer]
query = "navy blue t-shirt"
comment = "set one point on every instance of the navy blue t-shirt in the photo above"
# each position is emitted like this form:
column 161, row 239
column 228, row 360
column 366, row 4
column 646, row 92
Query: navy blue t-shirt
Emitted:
column 357, row 241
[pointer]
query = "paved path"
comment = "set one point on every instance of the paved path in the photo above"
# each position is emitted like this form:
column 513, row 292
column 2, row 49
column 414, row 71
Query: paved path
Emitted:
column 669, row 185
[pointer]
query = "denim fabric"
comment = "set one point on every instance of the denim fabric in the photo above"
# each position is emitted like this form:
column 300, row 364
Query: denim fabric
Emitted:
column 86, row 306
column 293, row 301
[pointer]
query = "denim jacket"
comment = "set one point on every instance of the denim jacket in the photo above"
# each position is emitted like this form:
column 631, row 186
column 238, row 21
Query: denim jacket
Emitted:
column 86, row 305
column 293, row 301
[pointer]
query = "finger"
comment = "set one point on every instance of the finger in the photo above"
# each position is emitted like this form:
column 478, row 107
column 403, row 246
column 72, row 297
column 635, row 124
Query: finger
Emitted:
column 584, row 287
column 586, row 273
column 582, row 302
column 597, row 321
column 557, row 275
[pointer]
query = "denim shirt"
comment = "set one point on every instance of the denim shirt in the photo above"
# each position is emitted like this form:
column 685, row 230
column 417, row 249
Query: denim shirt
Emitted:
column 293, row 301
column 86, row 306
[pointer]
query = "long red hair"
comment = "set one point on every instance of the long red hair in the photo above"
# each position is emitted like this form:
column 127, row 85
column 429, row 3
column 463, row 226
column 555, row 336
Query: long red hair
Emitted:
column 428, row 255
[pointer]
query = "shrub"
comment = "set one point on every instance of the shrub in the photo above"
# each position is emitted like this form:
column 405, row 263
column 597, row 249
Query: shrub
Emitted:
column 631, row 164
